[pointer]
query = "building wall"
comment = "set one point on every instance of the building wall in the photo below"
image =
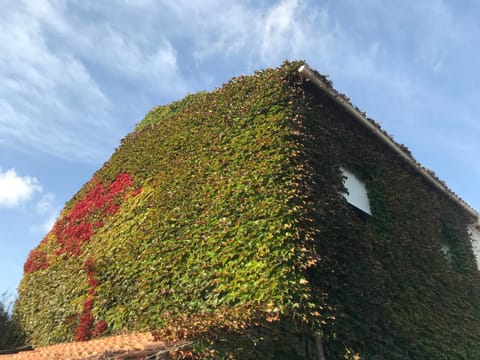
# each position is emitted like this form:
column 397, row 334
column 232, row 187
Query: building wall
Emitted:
column 233, row 230
column 391, row 290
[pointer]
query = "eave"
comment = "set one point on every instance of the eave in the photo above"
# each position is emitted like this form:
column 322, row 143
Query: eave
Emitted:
column 309, row 75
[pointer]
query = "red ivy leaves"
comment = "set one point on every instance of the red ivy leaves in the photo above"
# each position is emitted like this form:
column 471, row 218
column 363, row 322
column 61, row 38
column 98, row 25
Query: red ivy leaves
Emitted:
column 81, row 222
column 37, row 259
column 78, row 226
column 86, row 327
column 100, row 328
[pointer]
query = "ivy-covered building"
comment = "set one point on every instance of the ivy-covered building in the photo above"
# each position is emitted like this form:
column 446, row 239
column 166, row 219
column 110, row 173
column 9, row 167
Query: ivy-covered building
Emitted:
column 267, row 219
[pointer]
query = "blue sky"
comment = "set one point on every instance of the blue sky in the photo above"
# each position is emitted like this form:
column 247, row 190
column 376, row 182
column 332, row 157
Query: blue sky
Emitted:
column 76, row 76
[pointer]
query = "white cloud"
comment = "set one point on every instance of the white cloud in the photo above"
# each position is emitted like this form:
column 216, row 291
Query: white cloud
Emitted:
column 15, row 189
column 68, row 68
column 73, row 73
column 46, row 204
column 49, row 222
column 48, row 210
column 60, row 71
column 280, row 30
column 251, row 36
column 46, row 90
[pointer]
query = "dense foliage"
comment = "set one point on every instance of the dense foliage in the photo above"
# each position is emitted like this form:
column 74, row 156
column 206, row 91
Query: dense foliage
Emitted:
column 4, row 326
column 220, row 219
column 10, row 333
column 394, row 294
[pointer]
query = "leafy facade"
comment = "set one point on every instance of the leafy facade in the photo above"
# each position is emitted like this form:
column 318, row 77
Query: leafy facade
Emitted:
column 221, row 219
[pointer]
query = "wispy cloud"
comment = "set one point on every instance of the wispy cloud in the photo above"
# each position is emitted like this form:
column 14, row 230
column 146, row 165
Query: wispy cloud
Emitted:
column 60, row 72
column 48, row 95
column 45, row 204
column 48, row 209
column 71, row 72
column 15, row 189
column 76, row 74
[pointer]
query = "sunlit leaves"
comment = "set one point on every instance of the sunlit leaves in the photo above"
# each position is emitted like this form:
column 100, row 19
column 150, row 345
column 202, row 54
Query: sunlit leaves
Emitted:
column 239, row 237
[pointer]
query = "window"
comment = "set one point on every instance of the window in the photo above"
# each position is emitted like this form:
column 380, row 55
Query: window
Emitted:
column 356, row 194
column 447, row 252
column 475, row 238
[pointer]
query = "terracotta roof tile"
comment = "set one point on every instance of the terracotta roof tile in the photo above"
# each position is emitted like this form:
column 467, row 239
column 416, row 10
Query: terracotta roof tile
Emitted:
column 132, row 346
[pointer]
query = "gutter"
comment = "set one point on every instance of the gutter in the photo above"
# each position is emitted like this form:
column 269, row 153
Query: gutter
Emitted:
column 307, row 73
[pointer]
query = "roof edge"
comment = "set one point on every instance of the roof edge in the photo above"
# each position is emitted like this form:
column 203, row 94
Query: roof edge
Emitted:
column 307, row 73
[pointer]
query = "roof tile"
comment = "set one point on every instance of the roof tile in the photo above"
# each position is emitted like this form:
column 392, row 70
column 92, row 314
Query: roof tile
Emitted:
column 133, row 346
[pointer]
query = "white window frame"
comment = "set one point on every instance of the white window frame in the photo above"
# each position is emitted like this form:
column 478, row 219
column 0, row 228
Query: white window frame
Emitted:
column 356, row 194
column 474, row 233
column 447, row 252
